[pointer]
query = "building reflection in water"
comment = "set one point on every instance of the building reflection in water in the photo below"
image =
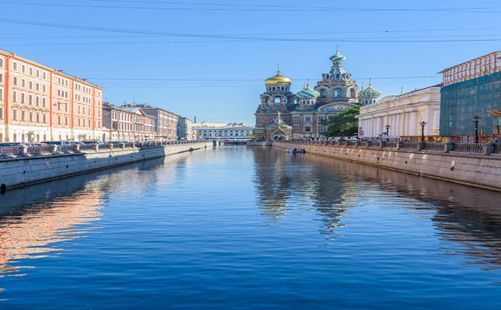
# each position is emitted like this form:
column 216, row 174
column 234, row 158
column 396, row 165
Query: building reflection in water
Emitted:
column 35, row 220
column 284, row 183
column 461, row 214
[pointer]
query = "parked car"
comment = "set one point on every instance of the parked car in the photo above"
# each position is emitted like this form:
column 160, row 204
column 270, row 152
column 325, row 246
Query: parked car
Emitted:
column 91, row 142
column 62, row 142
column 8, row 144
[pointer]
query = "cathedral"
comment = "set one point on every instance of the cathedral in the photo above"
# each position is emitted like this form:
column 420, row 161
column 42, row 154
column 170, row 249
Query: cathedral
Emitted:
column 307, row 110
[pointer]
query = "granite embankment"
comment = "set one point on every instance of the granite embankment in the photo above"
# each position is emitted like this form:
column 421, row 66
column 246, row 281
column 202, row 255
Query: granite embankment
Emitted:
column 25, row 167
column 473, row 169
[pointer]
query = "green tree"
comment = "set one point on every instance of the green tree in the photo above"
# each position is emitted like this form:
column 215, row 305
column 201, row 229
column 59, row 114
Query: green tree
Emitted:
column 343, row 124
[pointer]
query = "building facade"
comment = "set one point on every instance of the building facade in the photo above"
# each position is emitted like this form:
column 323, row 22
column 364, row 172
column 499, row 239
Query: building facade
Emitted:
column 400, row 116
column 472, row 89
column 129, row 124
column 166, row 123
column 39, row 103
column 231, row 131
column 307, row 111
column 186, row 130
column 277, row 99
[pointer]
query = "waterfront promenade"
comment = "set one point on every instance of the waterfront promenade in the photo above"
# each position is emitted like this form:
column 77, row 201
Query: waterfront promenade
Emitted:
column 470, row 164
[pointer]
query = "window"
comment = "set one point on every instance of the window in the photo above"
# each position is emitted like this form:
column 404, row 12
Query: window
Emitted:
column 22, row 97
column 14, row 65
column 15, row 81
column 277, row 99
column 43, row 102
column 1, row 78
column 1, row 62
column 14, row 114
column 338, row 92
column 14, row 96
column 30, row 99
column 31, row 71
column 23, row 83
column 1, row 94
column 23, row 68
column 23, row 115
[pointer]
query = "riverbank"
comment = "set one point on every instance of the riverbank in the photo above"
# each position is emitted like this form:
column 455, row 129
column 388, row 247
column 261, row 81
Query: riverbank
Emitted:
column 28, row 169
column 468, row 169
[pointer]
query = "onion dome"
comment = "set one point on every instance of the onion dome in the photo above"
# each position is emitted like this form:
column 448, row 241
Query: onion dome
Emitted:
column 278, row 79
column 369, row 92
column 307, row 93
column 337, row 57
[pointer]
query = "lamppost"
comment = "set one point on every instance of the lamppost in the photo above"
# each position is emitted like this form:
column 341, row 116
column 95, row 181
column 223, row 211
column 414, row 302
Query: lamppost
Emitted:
column 476, row 119
column 423, row 123
column 388, row 130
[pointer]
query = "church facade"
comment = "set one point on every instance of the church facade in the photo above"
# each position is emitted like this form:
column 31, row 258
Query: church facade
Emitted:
column 308, row 110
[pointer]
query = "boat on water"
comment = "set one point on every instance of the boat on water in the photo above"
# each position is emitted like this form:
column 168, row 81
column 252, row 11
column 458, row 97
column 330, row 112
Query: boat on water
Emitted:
column 295, row 150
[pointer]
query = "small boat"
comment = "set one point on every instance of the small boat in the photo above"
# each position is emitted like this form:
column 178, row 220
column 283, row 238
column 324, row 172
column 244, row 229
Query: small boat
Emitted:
column 295, row 150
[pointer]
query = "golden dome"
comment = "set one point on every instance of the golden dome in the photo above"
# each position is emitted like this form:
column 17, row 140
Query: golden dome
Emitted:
column 278, row 79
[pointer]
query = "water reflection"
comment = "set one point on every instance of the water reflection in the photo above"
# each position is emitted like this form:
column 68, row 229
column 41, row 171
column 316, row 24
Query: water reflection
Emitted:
column 35, row 220
column 465, row 215
column 284, row 182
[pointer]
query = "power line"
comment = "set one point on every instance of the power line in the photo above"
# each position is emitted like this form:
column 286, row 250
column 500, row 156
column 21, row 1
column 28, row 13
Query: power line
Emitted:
column 173, row 6
column 165, row 79
column 232, row 37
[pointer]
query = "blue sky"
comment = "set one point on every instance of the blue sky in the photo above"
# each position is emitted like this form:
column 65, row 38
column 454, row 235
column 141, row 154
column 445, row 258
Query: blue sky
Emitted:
column 210, row 58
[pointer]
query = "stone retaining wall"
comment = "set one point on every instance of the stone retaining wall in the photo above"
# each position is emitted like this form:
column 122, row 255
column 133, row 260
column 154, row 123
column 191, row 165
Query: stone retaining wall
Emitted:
column 20, row 172
column 474, row 170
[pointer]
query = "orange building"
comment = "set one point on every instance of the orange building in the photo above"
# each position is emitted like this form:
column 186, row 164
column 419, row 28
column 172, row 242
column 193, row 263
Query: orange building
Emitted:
column 39, row 103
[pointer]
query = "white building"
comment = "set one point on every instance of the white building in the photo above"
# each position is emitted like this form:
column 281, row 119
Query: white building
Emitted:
column 219, row 131
column 403, row 114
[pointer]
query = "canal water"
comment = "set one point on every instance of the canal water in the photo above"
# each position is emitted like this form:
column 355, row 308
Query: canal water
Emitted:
column 248, row 228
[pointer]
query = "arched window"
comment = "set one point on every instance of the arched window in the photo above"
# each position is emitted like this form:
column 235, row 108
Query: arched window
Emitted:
column 323, row 93
column 353, row 93
column 277, row 99
column 338, row 92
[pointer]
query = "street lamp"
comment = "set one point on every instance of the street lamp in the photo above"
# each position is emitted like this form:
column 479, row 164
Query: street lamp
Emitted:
column 388, row 130
column 476, row 119
column 423, row 123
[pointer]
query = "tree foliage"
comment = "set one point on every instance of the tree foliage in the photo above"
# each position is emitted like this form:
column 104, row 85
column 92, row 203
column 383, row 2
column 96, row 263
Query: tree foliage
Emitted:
column 343, row 124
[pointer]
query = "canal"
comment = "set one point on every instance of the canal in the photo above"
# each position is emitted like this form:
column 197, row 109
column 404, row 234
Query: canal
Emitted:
column 248, row 228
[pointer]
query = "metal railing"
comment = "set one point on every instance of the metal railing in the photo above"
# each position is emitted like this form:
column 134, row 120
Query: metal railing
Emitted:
column 48, row 149
column 467, row 148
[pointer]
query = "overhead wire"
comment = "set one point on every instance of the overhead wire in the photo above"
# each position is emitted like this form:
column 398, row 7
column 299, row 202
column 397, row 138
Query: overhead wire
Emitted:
column 232, row 37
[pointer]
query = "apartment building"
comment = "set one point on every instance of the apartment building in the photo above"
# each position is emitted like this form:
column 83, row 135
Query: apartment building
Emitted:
column 40, row 103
